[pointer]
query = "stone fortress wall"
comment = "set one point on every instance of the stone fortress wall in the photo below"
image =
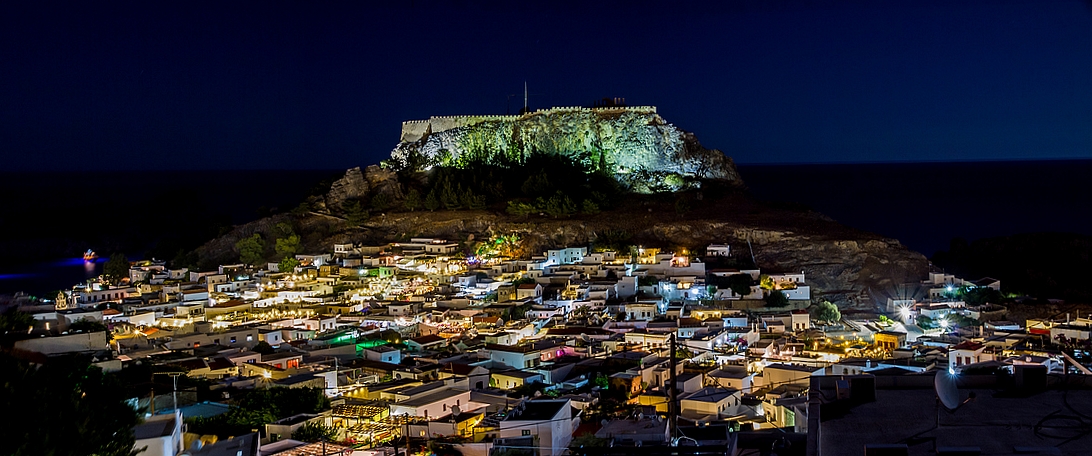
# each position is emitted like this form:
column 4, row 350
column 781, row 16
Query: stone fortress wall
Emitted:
column 414, row 130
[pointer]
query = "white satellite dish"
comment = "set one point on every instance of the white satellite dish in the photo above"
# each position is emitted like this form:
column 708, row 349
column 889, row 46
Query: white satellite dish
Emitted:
column 947, row 391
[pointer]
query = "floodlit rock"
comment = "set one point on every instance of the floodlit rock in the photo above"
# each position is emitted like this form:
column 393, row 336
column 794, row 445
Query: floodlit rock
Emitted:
column 351, row 186
column 633, row 143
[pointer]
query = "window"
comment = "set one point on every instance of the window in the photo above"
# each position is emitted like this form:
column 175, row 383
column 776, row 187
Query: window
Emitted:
column 526, row 432
column 233, row 339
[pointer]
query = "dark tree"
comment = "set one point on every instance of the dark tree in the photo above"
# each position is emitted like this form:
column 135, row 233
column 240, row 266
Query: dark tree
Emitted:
column 14, row 320
column 777, row 299
column 432, row 202
column 116, row 268
column 740, row 284
column 263, row 347
column 86, row 325
column 355, row 213
column 66, row 406
column 413, row 200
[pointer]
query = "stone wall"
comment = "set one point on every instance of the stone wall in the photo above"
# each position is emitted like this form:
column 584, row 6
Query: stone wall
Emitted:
column 414, row 130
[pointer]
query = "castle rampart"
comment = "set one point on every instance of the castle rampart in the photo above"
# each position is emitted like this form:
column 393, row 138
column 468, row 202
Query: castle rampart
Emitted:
column 414, row 130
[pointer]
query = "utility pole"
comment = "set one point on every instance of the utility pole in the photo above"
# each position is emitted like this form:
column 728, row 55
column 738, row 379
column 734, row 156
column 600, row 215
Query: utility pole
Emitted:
column 174, row 394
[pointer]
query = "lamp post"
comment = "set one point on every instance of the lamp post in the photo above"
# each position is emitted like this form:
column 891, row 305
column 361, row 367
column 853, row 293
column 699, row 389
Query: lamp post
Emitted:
column 174, row 392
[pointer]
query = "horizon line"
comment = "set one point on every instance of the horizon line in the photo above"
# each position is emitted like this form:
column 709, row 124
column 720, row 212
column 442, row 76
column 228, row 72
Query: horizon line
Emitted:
column 780, row 163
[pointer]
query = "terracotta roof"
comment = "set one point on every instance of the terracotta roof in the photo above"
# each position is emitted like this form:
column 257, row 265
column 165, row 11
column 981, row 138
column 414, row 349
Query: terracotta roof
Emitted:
column 220, row 363
column 968, row 345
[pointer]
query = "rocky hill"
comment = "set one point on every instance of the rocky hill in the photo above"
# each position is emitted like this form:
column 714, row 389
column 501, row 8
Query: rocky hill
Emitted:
column 634, row 144
column 847, row 266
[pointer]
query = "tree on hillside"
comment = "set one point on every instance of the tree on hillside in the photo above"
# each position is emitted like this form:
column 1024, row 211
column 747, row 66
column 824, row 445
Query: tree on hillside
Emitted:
column 251, row 249
column 560, row 205
column 355, row 213
column 65, row 406
column 288, row 246
column 116, row 268
column 432, row 202
column 413, row 200
column 588, row 207
column 826, row 311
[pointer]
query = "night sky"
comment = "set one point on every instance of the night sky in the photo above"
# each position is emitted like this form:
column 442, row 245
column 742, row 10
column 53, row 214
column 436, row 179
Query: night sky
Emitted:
column 178, row 85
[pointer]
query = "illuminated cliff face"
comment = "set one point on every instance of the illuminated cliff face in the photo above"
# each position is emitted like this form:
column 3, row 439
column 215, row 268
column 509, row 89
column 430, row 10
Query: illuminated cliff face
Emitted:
column 634, row 143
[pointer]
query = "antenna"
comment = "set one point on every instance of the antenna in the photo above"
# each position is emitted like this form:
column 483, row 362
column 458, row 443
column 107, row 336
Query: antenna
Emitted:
column 524, row 96
column 947, row 391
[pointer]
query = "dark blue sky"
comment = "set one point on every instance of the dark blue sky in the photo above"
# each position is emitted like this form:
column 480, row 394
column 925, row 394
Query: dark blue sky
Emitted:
column 178, row 85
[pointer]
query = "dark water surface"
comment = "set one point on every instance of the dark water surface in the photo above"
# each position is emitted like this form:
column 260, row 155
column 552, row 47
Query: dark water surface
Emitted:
column 47, row 220
column 925, row 205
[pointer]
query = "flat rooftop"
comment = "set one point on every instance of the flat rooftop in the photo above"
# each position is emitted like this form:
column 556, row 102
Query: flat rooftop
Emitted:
column 538, row 410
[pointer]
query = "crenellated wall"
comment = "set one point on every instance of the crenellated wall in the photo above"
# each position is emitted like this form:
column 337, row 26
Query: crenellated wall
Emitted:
column 414, row 130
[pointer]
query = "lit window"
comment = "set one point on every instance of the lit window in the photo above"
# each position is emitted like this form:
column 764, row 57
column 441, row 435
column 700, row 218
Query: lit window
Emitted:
column 526, row 432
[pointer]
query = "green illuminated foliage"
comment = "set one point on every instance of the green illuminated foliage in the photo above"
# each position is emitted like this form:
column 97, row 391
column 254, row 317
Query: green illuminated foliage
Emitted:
column 826, row 311
column 251, row 249
column 288, row 264
column 287, row 246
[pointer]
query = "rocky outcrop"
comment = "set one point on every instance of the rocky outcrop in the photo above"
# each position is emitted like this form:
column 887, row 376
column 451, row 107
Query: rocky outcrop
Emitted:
column 360, row 186
column 635, row 144
column 349, row 187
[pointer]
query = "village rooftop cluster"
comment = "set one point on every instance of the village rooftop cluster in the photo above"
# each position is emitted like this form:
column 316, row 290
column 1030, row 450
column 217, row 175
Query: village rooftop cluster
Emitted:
column 420, row 341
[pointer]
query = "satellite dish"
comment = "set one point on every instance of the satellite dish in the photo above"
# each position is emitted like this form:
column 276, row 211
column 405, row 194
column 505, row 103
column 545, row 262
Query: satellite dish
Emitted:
column 947, row 391
column 455, row 410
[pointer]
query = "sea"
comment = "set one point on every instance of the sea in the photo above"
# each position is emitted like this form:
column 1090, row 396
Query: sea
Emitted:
column 49, row 219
